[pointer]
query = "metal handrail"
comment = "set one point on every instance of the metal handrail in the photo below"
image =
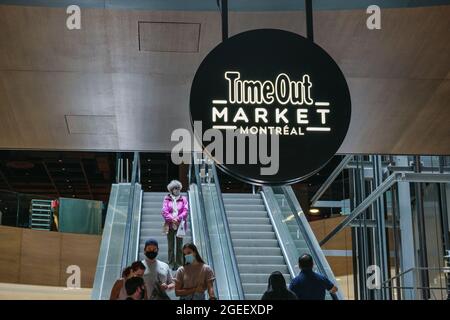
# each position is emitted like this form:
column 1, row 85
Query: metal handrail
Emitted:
column 138, row 237
column 386, row 285
column 203, row 218
column 446, row 270
column 126, row 244
column 234, row 264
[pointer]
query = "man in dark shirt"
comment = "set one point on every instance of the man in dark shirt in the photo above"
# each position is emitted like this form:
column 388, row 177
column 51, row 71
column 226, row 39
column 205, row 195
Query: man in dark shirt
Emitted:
column 309, row 285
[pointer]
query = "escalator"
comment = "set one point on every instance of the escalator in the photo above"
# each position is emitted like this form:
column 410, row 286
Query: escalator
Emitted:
column 243, row 237
column 257, row 249
column 151, row 225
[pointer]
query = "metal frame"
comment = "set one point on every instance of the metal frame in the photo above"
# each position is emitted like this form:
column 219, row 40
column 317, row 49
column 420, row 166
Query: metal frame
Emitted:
column 380, row 190
column 336, row 172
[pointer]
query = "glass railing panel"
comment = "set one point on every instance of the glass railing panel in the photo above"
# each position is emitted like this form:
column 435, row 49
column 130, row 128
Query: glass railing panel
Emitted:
column 216, row 228
column 111, row 248
column 301, row 233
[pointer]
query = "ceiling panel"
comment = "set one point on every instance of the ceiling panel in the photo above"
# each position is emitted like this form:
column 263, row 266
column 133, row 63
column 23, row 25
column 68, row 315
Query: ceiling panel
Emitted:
column 396, row 76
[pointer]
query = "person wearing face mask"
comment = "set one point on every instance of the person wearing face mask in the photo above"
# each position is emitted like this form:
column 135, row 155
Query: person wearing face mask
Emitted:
column 194, row 277
column 135, row 288
column 118, row 291
column 175, row 212
column 157, row 273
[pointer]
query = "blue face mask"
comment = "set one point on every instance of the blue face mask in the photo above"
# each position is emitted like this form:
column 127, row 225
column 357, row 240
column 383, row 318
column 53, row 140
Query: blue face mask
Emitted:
column 189, row 258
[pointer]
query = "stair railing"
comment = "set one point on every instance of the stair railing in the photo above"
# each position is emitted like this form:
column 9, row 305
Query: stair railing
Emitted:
column 133, row 213
column 236, row 273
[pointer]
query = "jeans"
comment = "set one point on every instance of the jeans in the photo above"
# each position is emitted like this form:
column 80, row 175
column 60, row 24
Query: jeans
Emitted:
column 175, row 248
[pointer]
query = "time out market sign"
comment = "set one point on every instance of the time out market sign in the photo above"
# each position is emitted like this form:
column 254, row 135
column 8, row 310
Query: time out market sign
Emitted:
column 266, row 84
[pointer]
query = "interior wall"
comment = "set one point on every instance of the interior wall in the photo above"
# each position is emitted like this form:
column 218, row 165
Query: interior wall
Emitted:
column 42, row 257
column 338, row 252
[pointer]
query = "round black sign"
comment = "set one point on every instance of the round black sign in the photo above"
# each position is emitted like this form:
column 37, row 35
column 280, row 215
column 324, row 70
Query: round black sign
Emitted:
column 270, row 88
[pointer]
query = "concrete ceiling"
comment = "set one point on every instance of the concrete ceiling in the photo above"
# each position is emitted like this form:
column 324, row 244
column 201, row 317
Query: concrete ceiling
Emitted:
column 101, row 88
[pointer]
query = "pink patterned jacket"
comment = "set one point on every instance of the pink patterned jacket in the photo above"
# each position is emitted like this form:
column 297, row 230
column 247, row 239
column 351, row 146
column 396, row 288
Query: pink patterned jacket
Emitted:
column 183, row 210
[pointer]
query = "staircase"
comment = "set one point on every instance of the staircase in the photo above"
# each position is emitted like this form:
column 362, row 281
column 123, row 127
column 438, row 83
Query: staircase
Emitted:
column 257, row 251
column 152, row 224
column 41, row 215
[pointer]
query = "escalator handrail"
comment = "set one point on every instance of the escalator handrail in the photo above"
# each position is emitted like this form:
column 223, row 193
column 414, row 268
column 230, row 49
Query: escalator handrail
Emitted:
column 203, row 218
column 313, row 246
column 126, row 244
column 236, row 272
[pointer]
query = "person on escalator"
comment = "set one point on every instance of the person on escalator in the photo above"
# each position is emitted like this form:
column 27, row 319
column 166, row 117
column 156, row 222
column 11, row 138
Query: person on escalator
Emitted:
column 277, row 289
column 194, row 277
column 118, row 291
column 310, row 285
column 135, row 289
column 175, row 213
column 157, row 277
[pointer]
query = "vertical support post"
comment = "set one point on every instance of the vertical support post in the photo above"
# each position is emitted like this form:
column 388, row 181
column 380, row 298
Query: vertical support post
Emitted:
column 408, row 253
column 380, row 236
column 309, row 20
column 224, row 13
column 421, row 233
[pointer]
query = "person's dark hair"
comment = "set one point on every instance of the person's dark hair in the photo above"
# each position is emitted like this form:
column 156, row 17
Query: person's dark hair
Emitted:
column 151, row 241
column 135, row 266
column 195, row 250
column 132, row 284
column 277, row 283
column 126, row 272
column 305, row 262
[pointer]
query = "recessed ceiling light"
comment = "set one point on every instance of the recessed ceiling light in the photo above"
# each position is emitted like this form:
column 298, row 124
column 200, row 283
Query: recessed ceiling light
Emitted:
column 314, row 210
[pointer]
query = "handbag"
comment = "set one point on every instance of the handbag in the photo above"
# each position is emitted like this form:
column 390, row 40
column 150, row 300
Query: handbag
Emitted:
column 181, row 232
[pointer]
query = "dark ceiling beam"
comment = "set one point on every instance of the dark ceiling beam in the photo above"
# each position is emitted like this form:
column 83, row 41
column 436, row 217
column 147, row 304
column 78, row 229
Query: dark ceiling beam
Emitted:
column 50, row 177
column 86, row 179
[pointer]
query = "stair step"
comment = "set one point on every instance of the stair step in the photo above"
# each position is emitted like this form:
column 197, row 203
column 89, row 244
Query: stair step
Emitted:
column 259, row 278
column 254, row 288
column 244, row 207
column 252, row 235
column 243, row 201
column 247, row 214
column 260, row 260
column 249, row 220
column 250, row 227
column 255, row 244
column 246, row 251
column 240, row 195
column 253, row 296
column 262, row 269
